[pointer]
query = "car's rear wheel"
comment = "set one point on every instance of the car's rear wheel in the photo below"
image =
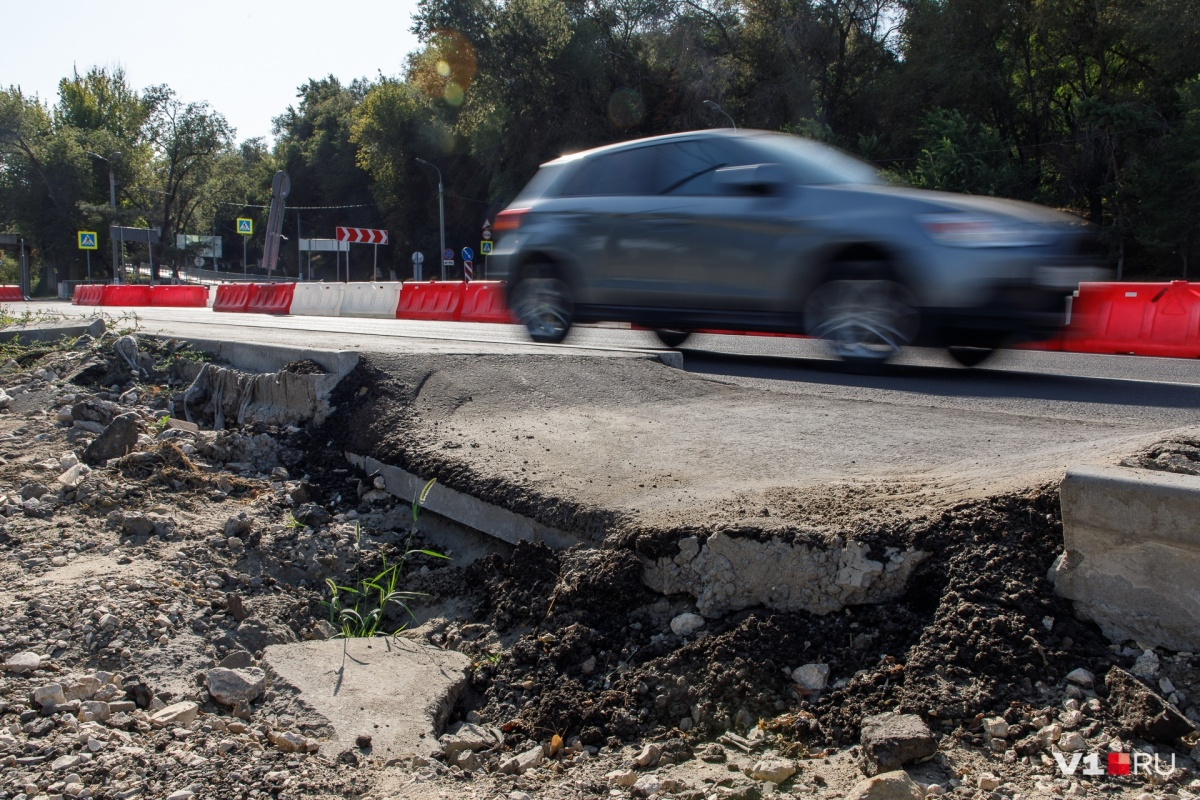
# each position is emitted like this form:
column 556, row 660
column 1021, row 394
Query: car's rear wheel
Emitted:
column 542, row 302
column 672, row 337
column 865, row 314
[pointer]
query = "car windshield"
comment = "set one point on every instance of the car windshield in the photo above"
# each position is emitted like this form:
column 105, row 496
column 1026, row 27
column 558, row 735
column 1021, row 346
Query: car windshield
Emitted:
column 816, row 163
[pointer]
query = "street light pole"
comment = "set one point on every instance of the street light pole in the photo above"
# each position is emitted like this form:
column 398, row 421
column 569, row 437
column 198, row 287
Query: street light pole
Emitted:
column 112, row 199
column 441, row 217
column 716, row 107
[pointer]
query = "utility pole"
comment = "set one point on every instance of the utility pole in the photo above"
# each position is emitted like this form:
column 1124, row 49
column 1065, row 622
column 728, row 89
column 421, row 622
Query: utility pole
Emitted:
column 441, row 217
column 112, row 199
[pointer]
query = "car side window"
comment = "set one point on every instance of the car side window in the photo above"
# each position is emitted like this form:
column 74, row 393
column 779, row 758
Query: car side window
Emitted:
column 688, row 168
column 624, row 173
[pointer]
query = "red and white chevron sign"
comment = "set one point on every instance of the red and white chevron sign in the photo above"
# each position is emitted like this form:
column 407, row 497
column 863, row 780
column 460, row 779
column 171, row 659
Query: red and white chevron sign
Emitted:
column 361, row 235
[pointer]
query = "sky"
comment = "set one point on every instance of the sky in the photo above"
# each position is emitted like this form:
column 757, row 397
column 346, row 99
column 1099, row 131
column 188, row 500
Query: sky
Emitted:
column 245, row 59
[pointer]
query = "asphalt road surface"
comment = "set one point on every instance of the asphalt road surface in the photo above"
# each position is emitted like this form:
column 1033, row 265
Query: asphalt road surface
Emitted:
column 752, row 427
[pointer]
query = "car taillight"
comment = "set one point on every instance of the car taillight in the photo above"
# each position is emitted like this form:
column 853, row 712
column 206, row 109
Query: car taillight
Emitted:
column 509, row 219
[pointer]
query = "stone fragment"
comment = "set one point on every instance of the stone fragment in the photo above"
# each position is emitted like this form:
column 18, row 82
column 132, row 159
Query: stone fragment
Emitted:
column 811, row 678
column 686, row 624
column 622, row 777
column 1081, row 677
column 995, row 728
column 649, row 756
column 1146, row 666
column 646, row 786
column 1143, row 711
column 232, row 686
column 180, row 714
column 49, row 695
column 988, row 782
column 1072, row 742
column 772, row 769
column 23, row 662
column 468, row 736
column 889, row 741
column 287, row 741
column 520, row 764
column 94, row 711
column 117, row 440
column 894, row 785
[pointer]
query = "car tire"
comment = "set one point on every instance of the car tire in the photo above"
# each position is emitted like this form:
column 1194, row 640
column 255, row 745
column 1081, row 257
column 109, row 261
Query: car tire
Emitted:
column 864, row 313
column 970, row 356
column 672, row 337
column 541, row 301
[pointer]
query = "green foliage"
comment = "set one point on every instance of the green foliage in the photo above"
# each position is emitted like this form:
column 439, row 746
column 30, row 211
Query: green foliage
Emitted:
column 358, row 609
column 961, row 157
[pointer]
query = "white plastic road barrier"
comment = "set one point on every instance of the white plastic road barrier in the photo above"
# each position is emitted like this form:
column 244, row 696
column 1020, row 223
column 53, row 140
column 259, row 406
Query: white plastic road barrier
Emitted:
column 317, row 299
column 371, row 300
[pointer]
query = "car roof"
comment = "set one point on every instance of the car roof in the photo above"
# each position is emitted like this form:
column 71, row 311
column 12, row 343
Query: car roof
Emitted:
column 711, row 133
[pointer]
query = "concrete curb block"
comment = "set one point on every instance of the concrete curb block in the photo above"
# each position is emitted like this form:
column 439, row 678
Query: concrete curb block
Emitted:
column 52, row 331
column 1132, row 554
column 462, row 508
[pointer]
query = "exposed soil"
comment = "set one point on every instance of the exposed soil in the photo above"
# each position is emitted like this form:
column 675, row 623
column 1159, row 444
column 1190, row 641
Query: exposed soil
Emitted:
column 200, row 546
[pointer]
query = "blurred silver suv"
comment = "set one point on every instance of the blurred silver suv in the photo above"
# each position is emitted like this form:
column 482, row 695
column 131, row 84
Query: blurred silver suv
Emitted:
column 758, row 231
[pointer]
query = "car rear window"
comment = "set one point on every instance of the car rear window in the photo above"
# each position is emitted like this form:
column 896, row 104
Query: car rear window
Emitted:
column 539, row 184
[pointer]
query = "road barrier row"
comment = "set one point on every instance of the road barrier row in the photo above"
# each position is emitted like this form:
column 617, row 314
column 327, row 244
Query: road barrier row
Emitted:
column 1149, row 319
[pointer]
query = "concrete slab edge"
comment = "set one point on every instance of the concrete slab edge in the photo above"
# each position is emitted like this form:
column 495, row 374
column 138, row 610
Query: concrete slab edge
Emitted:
column 1132, row 553
column 463, row 508
column 252, row 357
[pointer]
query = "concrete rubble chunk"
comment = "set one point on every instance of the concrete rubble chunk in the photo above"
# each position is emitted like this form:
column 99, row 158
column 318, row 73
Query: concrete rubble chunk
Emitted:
column 23, row 662
column 400, row 691
column 469, row 736
column 49, row 695
column 772, row 770
column 889, row 741
column 1132, row 553
column 811, row 677
column 176, row 715
column 1081, row 677
column 686, row 624
column 119, row 439
column 290, row 742
column 622, row 777
column 649, row 756
column 1144, row 711
column 520, row 764
column 232, row 686
column 895, row 785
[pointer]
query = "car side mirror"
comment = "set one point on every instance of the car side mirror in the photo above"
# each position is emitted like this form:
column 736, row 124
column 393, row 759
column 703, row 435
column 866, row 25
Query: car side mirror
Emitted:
column 752, row 178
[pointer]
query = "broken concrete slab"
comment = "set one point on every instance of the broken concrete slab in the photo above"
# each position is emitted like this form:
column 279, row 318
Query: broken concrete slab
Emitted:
column 889, row 741
column 463, row 508
column 394, row 690
column 45, row 331
column 726, row 573
column 1132, row 553
column 1144, row 711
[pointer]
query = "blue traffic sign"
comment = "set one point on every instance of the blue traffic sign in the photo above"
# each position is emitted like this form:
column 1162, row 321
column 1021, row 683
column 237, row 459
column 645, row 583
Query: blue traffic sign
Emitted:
column 87, row 240
column 448, row 255
column 468, row 254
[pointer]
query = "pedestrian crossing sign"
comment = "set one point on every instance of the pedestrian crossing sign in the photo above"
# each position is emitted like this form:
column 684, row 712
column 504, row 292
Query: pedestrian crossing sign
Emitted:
column 245, row 226
column 87, row 240
column 485, row 248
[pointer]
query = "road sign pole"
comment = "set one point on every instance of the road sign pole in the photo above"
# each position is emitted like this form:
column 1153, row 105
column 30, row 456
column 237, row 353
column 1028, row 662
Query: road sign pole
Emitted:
column 244, row 240
column 375, row 266
column 89, row 263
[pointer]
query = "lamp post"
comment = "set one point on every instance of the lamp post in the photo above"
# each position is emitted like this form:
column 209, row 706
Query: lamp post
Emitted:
column 441, row 217
column 112, row 199
column 716, row 107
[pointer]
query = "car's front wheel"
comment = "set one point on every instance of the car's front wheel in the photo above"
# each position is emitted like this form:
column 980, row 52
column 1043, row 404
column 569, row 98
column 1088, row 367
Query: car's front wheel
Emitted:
column 542, row 302
column 672, row 337
column 865, row 315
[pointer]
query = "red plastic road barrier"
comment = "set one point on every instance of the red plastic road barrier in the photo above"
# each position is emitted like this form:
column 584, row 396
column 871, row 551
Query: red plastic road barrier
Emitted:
column 271, row 298
column 88, row 294
column 1145, row 319
column 179, row 296
column 483, row 301
column 234, row 296
column 436, row 300
column 125, row 295
column 11, row 294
